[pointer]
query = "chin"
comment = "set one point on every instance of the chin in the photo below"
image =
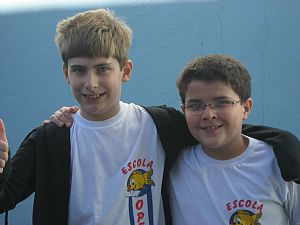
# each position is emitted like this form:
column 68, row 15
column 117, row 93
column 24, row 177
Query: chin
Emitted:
column 211, row 144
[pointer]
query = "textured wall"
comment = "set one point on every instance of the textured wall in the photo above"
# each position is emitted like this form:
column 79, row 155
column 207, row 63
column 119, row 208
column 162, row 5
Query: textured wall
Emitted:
column 264, row 35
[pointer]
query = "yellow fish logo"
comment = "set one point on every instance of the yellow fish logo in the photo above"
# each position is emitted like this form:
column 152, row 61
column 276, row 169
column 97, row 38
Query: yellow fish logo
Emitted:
column 245, row 217
column 138, row 180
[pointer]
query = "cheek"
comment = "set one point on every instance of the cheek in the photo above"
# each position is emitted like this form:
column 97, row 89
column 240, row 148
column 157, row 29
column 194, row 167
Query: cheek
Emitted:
column 233, row 120
column 76, row 84
column 192, row 121
column 108, row 82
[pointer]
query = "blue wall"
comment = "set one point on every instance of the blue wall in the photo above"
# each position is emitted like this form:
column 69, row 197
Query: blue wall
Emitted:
column 264, row 35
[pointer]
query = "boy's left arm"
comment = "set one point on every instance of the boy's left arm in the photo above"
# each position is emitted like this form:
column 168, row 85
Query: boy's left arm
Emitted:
column 286, row 148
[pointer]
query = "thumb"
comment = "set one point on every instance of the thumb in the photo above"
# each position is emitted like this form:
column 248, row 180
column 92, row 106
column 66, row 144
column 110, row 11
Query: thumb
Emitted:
column 74, row 109
column 2, row 132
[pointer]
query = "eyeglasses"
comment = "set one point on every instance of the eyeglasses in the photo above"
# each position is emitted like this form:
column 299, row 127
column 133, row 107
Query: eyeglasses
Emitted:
column 217, row 106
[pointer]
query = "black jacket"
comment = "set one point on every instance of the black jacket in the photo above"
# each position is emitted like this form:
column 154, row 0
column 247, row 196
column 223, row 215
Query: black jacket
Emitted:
column 42, row 164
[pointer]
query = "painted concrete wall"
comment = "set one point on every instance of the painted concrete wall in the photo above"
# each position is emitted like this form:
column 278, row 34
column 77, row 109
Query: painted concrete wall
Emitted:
column 263, row 34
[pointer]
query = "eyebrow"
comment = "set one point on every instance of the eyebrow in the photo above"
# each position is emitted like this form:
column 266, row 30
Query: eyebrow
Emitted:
column 102, row 64
column 214, row 99
column 95, row 66
column 194, row 101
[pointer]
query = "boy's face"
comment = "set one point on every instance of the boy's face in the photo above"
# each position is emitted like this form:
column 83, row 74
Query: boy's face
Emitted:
column 96, row 85
column 219, row 130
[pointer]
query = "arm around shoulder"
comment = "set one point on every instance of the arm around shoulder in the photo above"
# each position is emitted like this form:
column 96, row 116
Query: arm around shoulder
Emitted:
column 172, row 130
column 286, row 148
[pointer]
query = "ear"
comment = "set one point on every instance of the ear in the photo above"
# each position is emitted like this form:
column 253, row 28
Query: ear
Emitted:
column 127, row 70
column 247, row 107
column 66, row 72
column 183, row 108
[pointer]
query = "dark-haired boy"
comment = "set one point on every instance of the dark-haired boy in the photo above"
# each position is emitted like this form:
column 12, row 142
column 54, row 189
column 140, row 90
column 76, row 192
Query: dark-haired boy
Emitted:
column 228, row 178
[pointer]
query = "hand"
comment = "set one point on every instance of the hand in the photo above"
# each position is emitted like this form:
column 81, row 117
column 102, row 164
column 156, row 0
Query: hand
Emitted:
column 63, row 116
column 3, row 146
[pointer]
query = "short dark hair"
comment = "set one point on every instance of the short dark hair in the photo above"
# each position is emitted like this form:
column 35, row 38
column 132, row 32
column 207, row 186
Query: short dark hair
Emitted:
column 213, row 68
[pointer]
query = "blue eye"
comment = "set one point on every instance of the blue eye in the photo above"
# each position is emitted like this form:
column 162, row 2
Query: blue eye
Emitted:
column 78, row 70
column 103, row 69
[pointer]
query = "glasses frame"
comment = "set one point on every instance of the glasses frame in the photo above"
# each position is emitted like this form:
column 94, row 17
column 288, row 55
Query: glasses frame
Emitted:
column 214, row 106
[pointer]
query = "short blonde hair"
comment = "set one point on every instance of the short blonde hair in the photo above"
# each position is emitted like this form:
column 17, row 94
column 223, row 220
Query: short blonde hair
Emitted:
column 95, row 33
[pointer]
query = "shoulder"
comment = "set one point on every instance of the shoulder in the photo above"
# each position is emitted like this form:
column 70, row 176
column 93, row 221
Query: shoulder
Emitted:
column 47, row 140
column 167, row 114
column 46, row 131
column 52, row 128
column 170, row 123
column 172, row 130
column 260, row 152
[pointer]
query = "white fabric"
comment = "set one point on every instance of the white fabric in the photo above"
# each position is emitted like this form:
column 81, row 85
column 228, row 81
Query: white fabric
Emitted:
column 208, row 191
column 104, row 155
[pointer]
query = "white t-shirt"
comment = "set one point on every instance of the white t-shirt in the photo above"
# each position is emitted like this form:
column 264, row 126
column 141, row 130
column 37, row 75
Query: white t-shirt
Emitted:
column 248, row 189
column 117, row 168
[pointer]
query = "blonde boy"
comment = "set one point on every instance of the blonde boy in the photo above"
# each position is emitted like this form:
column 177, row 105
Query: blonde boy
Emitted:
column 106, row 169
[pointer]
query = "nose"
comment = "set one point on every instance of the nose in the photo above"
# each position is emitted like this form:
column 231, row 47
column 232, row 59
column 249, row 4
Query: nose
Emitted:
column 92, row 81
column 208, row 112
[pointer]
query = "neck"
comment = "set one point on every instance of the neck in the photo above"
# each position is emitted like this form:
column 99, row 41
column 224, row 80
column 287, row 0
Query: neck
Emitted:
column 229, row 152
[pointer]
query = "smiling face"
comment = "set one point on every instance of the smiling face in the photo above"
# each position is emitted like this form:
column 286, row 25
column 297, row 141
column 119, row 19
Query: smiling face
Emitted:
column 96, row 85
column 219, row 131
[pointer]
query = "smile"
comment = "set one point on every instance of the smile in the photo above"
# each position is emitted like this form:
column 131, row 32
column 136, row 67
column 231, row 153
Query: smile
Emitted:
column 94, row 96
column 211, row 128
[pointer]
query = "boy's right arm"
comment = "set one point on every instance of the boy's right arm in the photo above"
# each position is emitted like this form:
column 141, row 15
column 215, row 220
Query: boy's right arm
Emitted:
column 17, row 180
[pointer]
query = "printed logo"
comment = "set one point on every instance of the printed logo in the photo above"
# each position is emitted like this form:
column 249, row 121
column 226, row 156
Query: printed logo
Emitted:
column 139, row 191
column 139, row 180
column 243, row 212
column 245, row 217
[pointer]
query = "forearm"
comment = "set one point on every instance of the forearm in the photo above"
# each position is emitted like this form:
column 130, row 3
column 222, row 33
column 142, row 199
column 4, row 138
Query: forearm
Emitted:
column 17, row 180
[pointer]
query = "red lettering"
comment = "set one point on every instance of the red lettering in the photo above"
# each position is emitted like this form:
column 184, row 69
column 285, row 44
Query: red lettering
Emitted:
column 248, row 203
column 140, row 216
column 228, row 206
column 124, row 171
column 139, row 204
column 139, row 162
column 254, row 205
column 241, row 203
column 260, row 207
column 244, row 203
column 136, row 163
column 234, row 204
column 150, row 164
column 144, row 162
column 129, row 166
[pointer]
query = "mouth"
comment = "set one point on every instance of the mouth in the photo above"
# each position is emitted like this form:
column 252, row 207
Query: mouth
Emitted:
column 93, row 97
column 211, row 128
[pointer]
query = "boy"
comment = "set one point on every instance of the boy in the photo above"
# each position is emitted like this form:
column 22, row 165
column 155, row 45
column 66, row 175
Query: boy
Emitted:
column 74, row 182
column 228, row 178
column 108, row 167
